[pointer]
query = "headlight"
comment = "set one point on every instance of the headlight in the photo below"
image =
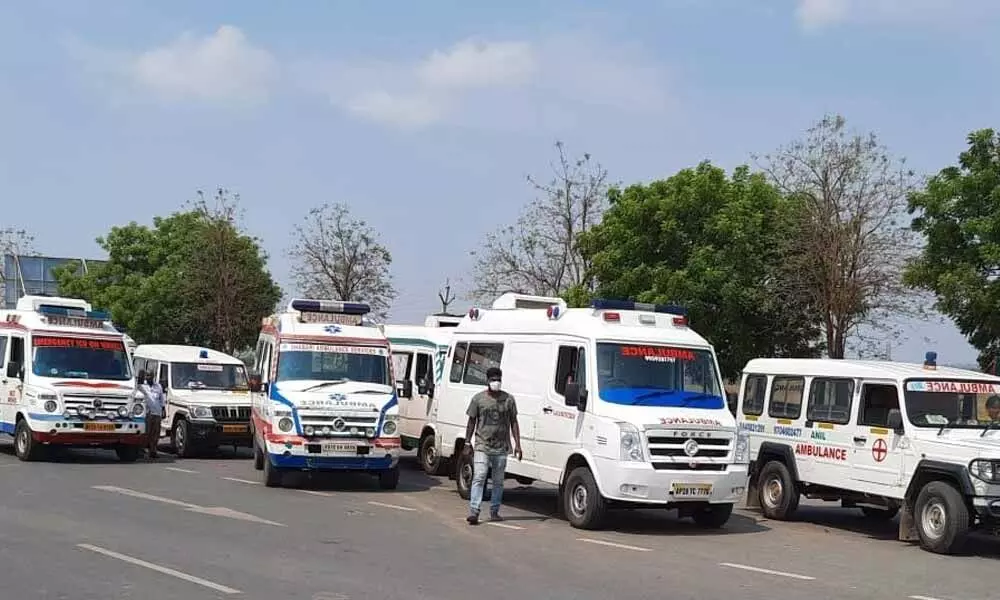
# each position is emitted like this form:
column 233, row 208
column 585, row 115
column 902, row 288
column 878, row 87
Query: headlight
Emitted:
column 123, row 411
column 201, row 412
column 138, row 410
column 741, row 455
column 370, row 432
column 986, row 470
column 309, row 430
column 285, row 424
column 389, row 428
column 51, row 406
column 631, row 447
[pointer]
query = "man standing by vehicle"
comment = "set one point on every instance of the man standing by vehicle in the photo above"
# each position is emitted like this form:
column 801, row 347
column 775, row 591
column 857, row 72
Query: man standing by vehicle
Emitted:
column 493, row 418
column 153, row 392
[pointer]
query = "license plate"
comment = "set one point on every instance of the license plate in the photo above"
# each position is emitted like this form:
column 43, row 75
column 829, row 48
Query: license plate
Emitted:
column 691, row 490
column 340, row 447
column 234, row 429
column 99, row 426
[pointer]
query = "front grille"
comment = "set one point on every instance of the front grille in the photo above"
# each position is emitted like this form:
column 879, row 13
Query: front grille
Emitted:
column 668, row 449
column 107, row 402
column 677, row 466
column 225, row 414
column 345, row 422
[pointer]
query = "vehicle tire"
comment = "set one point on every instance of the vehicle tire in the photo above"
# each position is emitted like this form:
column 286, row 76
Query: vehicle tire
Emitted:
column 777, row 494
column 388, row 479
column 25, row 446
column 258, row 456
column 713, row 516
column 429, row 457
column 463, row 475
column 879, row 514
column 128, row 454
column 183, row 446
column 942, row 518
column 584, row 506
column 273, row 476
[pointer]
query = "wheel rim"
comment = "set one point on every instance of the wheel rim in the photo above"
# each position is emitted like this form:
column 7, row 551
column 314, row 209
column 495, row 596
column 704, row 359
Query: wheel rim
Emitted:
column 22, row 441
column 179, row 440
column 578, row 500
column 773, row 490
column 934, row 519
column 430, row 455
column 467, row 475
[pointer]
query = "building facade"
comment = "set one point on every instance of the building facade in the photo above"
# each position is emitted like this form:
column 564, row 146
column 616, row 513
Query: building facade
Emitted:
column 32, row 275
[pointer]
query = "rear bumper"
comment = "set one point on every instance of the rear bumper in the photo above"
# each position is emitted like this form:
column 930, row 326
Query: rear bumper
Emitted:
column 216, row 434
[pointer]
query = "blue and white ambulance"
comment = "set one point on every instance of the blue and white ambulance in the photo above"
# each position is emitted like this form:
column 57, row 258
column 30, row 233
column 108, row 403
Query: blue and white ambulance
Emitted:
column 323, row 393
column 66, row 380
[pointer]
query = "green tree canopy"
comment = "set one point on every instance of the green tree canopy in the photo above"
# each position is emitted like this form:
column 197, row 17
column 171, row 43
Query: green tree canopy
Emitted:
column 958, row 212
column 191, row 278
column 715, row 244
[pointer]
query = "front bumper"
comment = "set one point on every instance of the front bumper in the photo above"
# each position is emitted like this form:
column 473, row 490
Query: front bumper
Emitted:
column 318, row 454
column 57, row 430
column 641, row 483
column 220, row 434
column 987, row 508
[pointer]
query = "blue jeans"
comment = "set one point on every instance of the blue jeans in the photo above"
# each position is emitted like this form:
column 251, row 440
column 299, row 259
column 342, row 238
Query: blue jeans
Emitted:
column 481, row 463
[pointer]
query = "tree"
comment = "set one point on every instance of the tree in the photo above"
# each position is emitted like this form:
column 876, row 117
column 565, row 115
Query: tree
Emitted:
column 958, row 213
column 16, row 243
column 714, row 244
column 850, row 247
column 339, row 257
column 193, row 278
column 446, row 296
column 538, row 254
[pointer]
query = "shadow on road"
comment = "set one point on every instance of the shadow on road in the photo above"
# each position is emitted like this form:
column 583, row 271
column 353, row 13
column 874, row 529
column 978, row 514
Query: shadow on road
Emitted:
column 99, row 456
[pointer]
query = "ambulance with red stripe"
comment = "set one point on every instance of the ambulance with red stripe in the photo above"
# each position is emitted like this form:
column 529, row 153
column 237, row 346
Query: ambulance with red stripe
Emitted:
column 66, row 380
column 887, row 438
column 323, row 393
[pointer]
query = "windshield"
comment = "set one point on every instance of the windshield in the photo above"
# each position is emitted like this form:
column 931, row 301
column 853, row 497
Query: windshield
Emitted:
column 936, row 403
column 204, row 376
column 322, row 362
column 79, row 358
column 652, row 375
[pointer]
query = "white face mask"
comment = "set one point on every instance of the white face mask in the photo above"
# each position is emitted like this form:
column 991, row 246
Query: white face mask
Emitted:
column 494, row 386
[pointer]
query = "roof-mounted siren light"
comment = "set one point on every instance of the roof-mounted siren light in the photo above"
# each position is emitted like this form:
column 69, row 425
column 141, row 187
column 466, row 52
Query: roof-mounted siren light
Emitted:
column 330, row 311
column 610, row 308
column 474, row 314
column 32, row 303
column 553, row 312
column 930, row 360
column 72, row 312
column 513, row 300
column 203, row 354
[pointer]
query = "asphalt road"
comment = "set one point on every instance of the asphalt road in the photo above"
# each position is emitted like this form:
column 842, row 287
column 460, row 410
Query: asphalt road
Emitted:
column 83, row 526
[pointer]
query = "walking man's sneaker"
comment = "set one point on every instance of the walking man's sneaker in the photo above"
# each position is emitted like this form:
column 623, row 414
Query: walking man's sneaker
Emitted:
column 472, row 519
column 495, row 516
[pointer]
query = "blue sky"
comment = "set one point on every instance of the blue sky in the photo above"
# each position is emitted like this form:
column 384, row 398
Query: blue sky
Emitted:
column 426, row 116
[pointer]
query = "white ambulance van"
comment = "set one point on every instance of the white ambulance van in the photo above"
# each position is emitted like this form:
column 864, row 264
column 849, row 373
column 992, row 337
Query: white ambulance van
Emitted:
column 323, row 397
column 884, row 437
column 418, row 357
column 208, row 396
column 620, row 404
column 66, row 380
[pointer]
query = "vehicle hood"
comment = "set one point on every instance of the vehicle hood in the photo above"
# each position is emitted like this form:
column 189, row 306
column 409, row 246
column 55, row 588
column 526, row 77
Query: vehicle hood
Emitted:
column 209, row 397
column 969, row 443
column 351, row 395
column 79, row 387
column 657, row 417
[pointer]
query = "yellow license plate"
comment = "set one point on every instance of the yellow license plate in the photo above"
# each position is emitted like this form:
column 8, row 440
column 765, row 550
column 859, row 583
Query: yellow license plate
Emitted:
column 234, row 428
column 99, row 426
column 691, row 490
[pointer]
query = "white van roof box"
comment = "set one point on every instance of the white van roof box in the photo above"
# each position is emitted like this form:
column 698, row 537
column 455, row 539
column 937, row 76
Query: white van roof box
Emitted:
column 514, row 300
column 31, row 303
column 443, row 321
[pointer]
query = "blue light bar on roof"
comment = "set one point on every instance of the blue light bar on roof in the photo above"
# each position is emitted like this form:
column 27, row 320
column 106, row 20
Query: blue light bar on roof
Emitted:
column 75, row 313
column 203, row 354
column 604, row 304
column 331, row 306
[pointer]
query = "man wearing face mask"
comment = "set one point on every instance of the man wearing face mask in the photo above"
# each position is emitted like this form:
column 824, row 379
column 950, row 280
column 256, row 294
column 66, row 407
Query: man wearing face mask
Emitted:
column 154, row 414
column 493, row 418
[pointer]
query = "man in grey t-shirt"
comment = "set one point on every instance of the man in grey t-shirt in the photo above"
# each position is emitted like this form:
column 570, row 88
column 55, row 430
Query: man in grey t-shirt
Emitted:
column 493, row 418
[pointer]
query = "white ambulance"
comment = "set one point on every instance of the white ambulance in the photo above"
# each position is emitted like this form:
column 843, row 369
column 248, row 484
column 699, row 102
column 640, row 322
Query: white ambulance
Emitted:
column 208, row 396
column 418, row 357
column 66, row 380
column 884, row 437
column 322, row 393
column 620, row 404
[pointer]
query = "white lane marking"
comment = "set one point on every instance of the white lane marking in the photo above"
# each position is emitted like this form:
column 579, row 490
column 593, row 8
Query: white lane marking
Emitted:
column 159, row 569
column 504, row 525
column 144, row 496
column 238, row 480
column 924, row 598
column 395, row 506
column 614, row 545
column 767, row 571
column 180, row 470
column 316, row 493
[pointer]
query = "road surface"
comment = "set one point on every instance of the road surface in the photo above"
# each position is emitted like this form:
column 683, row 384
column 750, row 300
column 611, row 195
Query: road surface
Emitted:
column 84, row 527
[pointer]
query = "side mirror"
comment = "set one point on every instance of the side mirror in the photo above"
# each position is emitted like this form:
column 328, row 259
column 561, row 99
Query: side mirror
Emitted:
column 406, row 389
column 895, row 421
column 254, row 383
column 14, row 369
column 576, row 395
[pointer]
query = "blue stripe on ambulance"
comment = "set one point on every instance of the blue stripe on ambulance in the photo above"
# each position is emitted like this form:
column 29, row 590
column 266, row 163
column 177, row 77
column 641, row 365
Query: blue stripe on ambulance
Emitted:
column 275, row 395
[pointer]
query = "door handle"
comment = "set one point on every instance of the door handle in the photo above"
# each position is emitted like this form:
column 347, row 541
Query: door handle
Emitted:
column 547, row 410
column 860, row 440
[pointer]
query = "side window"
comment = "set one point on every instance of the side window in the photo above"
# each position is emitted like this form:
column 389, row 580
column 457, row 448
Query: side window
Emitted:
column 568, row 367
column 458, row 362
column 258, row 357
column 786, row 398
column 3, row 352
column 481, row 358
column 17, row 353
column 163, row 373
column 753, row 395
column 876, row 402
column 268, row 363
column 424, row 368
column 830, row 400
column 401, row 365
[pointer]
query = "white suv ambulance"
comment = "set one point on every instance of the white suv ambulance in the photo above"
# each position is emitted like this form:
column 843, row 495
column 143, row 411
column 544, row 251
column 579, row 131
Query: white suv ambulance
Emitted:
column 620, row 404
column 323, row 396
column 418, row 357
column 885, row 437
column 208, row 396
column 66, row 380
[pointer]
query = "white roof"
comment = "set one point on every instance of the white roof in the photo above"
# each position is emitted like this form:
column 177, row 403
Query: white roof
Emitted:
column 26, row 318
column 416, row 335
column 183, row 354
column 863, row 369
column 287, row 325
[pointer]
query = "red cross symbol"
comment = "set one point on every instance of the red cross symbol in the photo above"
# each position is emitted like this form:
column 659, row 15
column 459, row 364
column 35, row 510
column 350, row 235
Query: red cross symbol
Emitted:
column 879, row 450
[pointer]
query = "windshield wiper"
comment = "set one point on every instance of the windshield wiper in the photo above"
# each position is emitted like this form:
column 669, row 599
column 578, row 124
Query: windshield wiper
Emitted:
column 990, row 427
column 326, row 384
